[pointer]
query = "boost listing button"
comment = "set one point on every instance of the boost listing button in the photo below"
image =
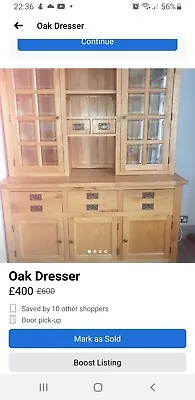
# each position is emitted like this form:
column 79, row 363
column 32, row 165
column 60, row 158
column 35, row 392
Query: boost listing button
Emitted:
column 97, row 338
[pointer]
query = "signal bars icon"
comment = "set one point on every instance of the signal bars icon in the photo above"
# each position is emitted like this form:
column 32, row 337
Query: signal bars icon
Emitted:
column 147, row 6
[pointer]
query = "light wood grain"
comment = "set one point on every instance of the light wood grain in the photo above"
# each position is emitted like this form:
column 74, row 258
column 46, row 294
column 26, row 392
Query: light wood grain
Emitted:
column 88, row 110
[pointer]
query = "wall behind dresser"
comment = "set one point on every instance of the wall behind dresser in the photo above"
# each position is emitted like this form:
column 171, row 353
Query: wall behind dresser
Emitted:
column 3, row 173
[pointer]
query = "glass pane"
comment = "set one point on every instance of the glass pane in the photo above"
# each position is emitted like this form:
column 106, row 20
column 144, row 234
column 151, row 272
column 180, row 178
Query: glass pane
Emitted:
column 27, row 131
column 154, row 154
column 137, row 78
column 47, row 131
column 23, row 79
column 156, row 129
column 157, row 103
column 44, row 78
column 158, row 78
column 135, row 130
column 49, row 155
column 134, row 154
column 46, row 104
column 136, row 104
column 29, row 155
column 24, row 104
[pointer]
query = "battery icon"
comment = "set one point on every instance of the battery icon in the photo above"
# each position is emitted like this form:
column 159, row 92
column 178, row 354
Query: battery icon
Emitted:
column 179, row 6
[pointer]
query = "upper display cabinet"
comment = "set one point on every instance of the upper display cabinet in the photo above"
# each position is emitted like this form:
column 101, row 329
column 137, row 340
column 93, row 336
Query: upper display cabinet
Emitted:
column 147, row 108
column 56, row 120
column 33, row 110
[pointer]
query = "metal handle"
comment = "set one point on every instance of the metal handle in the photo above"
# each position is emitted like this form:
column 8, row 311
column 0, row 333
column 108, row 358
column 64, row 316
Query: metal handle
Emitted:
column 78, row 127
column 125, row 240
column 36, row 196
column 147, row 206
column 92, row 196
column 92, row 207
column 71, row 241
column 59, row 241
column 103, row 126
column 36, row 208
column 148, row 195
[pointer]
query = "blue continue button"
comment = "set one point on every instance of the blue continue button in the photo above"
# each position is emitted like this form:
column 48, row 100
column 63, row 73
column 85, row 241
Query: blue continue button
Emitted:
column 97, row 338
column 97, row 44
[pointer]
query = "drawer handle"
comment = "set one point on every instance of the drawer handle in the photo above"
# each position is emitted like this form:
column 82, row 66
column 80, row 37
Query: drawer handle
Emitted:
column 92, row 196
column 104, row 126
column 92, row 207
column 36, row 196
column 148, row 206
column 148, row 195
column 78, row 127
column 36, row 208
column 59, row 241
column 71, row 241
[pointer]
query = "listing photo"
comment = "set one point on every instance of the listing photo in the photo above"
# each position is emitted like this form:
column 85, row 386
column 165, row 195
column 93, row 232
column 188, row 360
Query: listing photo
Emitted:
column 97, row 165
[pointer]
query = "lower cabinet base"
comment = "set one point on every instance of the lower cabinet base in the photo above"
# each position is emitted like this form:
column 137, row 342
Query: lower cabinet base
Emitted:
column 93, row 224
column 54, row 239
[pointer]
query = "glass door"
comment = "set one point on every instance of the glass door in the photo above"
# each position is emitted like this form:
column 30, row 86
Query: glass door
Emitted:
column 146, row 119
column 35, row 117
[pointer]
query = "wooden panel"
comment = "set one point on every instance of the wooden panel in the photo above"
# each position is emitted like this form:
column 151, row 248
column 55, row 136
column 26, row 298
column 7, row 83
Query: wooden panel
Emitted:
column 36, row 202
column 92, row 152
column 153, row 201
column 90, row 79
column 93, row 239
column 102, row 200
column 78, row 126
column 95, row 177
column 146, row 239
column 91, row 106
column 39, row 239
column 7, row 216
column 104, row 126
column 176, row 222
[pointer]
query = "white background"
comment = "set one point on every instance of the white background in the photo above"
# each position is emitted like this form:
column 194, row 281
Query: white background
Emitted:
column 138, row 296
column 102, row 19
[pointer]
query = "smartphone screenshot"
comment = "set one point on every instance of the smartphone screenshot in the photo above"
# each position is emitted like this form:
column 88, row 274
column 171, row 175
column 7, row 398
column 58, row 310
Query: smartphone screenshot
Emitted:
column 97, row 191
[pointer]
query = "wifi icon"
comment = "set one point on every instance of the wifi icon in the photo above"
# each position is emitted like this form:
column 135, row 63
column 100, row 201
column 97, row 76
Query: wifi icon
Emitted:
column 146, row 5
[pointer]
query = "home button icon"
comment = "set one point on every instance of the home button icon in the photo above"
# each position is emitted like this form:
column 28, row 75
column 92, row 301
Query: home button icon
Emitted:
column 97, row 387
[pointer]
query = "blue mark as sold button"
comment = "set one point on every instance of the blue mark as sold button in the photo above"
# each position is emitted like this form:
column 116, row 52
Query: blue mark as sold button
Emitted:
column 97, row 44
column 97, row 338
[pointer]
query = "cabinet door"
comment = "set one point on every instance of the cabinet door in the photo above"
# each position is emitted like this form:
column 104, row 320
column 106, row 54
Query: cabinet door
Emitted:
column 35, row 118
column 39, row 239
column 146, row 239
column 93, row 239
column 147, row 96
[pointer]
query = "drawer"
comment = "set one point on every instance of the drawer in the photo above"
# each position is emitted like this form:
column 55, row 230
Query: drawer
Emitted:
column 104, row 126
column 157, row 201
column 90, row 201
column 78, row 126
column 36, row 202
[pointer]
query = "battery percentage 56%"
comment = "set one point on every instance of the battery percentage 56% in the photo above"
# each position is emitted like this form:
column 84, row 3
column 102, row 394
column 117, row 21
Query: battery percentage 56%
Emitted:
column 168, row 6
